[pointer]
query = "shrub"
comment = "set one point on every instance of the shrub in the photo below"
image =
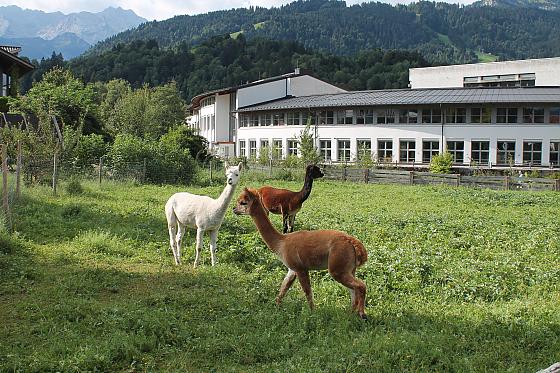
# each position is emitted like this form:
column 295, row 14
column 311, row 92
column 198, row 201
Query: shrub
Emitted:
column 73, row 186
column 441, row 163
column 88, row 150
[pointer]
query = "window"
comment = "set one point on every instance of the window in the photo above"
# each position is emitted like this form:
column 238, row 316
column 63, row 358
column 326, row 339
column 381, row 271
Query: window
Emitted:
column 253, row 120
column 326, row 117
column 431, row 115
column 243, row 120
column 457, row 150
column 277, row 149
column 456, row 115
column 506, row 115
column 253, row 148
column 408, row 116
column 407, row 152
column 429, row 149
column 555, row 153
column 292, row 147
column 264, row 147
column 325, row 149
column 554, row 115
column 364, row 149
column 310, row 118
column 481, row 115
column 506, row 152
column 532, row 152
column 242, row 149
column 293, row 118
column 533, row 115
column 344, row 150
column 364, row 116
column 480, row 152
column 385, row 150
column 385, row 116
column 208, row 101
column 345, row 117
column 266, row 119
column 278, row 119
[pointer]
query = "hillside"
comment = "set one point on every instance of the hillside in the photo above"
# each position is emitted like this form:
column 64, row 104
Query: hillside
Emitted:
column 224, row 61
column 333, row 27
column 40, row 33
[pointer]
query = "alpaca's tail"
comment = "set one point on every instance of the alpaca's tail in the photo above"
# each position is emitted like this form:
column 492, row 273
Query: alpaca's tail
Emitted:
column 359, row 251
column 170, row 214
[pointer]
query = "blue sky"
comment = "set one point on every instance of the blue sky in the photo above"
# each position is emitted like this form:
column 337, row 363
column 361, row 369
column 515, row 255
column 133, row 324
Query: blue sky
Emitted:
column 158, row 9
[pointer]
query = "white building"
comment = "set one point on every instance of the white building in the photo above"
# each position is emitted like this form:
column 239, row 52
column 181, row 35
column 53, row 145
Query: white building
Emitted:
column 215, row 116
column 512, row 121
column 540, row 72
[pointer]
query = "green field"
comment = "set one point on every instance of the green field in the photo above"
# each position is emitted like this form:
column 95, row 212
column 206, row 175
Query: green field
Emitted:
column 458, row 280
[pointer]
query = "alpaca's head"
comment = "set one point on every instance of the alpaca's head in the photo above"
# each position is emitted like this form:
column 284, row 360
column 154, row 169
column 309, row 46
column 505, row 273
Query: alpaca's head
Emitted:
column 245, row 202
column 314, row 171
column 233, row 173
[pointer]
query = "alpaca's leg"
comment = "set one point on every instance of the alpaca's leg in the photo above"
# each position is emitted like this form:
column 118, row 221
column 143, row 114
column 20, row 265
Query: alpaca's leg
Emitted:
column 180, row 234
column 285, row 223
column 173, row 241
column 291, row 221
column 199, row 239
column 213, row 238
column 303, row 277
column 357, row 286
column 286, row 284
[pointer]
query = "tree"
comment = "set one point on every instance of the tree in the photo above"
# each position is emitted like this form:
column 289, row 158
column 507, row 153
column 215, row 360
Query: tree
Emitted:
column 308, row 151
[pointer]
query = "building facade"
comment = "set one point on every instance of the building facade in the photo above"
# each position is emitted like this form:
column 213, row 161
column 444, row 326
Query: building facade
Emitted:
column 215, row 113
column 11, row 68
column 514, row 121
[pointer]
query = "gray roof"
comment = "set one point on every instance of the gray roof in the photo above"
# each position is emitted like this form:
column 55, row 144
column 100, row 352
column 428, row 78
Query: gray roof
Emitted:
column 397, row 97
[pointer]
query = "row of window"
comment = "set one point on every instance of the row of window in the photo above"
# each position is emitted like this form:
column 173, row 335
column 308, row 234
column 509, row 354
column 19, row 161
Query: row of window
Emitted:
column 208, row 101
column 207, row 122
column 478, row 115
column 480, row 150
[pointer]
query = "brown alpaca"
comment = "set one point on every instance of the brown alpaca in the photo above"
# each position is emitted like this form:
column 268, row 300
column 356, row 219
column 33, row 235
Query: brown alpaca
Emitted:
column 306, row 250
column 288, row 203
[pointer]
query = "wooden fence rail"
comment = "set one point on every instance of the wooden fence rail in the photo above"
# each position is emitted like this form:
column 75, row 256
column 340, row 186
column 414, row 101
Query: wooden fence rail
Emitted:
column 376, row 176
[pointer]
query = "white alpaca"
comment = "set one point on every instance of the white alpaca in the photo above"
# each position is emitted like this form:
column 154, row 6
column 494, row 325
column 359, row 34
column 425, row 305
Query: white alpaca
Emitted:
column 200, row 212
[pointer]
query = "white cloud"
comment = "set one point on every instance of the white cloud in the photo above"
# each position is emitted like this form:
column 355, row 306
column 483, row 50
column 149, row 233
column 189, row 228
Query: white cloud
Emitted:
column 159, row 9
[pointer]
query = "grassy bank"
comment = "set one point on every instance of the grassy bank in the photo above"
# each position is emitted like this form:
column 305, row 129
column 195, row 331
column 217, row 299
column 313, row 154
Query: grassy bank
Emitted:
column 458, row 280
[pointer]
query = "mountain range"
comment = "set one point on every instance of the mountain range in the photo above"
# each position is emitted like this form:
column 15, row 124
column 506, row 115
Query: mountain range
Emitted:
column 40, row 33
column 442, row 32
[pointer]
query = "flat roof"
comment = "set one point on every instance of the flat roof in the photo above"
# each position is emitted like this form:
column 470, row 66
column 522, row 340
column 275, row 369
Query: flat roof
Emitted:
column 402, row 97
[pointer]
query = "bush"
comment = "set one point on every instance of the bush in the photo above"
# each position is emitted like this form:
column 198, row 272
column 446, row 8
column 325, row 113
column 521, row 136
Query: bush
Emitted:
column 441, row 163
column 88, row 150
column 73, row 186
column 166, row 161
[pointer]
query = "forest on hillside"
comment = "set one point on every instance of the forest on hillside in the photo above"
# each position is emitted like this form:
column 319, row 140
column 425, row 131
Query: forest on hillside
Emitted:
column 225, row 61
column 441, row 32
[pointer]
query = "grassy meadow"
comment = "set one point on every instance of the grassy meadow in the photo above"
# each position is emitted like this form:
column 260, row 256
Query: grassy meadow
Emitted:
column 459, row 280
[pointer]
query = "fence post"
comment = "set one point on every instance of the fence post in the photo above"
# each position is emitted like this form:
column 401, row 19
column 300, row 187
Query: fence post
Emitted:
column 458, row 181
column 507, row 182
column 100, row 169
column 366, row 175
column 270, row 168
column 210, row 163
column 55, row 172
column 345, row 175
column 18, row 169
column 557, row 185
column 5, row 205
column 411, row 178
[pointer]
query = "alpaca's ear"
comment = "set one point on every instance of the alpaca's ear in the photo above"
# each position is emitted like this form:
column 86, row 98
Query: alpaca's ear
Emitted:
column 226, row 164
column 239, row 165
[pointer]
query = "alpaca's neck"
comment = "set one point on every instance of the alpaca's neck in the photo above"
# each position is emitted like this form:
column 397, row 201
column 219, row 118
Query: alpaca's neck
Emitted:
column 307, row 185
column 224, row 199
column 268, row 233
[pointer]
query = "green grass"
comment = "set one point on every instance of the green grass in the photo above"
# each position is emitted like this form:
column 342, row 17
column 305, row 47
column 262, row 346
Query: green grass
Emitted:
column 458, row 280
column 486, row 57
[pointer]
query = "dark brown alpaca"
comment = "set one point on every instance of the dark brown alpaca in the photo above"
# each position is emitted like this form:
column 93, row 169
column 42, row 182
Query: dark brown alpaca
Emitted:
column 287, row 203
column 307, row 250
